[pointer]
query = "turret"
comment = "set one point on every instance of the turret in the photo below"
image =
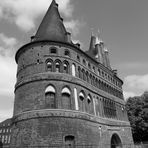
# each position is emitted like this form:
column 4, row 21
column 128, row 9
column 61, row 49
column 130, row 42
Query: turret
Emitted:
column 107, row 58
column 52, row 27
column 92, row 50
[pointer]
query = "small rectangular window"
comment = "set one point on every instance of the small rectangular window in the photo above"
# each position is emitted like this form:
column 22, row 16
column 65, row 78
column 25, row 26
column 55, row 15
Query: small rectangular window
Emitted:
column 53, row 50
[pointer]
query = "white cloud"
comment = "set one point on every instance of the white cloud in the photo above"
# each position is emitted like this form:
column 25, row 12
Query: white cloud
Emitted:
column 24, row 12
column 7, row 75
column 7, row 45
column 7, row 82
column 5, row 114
column 74, row 26
column 128, row 94
column 135, row 85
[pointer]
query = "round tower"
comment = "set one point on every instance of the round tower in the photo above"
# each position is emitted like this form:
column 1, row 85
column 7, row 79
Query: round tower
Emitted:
column 61, row 99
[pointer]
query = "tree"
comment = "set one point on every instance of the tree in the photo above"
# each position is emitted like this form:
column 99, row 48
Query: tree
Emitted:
column 137, row 109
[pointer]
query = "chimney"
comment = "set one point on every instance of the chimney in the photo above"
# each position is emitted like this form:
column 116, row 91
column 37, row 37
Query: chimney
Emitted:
column 102, row 53
column 68, row 37
column 99, row 57
column 107, row 58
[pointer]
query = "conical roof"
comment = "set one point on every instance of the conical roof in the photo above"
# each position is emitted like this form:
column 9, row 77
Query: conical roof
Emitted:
column 52, row 27
column 92, row 43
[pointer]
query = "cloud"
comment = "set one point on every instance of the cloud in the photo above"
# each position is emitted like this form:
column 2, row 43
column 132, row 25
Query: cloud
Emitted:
column 135, row 84
column 7, row 45
column 128, row 94
column 7, row 76
column 5, row 114
column 7, row 82
column 24, row 12
column 74, row 26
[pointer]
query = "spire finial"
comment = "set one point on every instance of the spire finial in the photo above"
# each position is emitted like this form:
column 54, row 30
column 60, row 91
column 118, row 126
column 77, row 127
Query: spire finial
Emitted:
column 92, row 31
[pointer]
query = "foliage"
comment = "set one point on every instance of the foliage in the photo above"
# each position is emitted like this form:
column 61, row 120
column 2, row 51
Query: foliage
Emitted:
column 137, row 109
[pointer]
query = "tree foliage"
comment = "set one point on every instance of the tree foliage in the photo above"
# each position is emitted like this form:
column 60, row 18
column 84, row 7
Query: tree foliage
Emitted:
column 137, row 109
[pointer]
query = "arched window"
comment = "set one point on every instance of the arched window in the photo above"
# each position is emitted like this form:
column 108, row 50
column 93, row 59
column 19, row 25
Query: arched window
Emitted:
column 66, row 98
column 69, row 141
column 79, row 71
column 49, row 65
column 65, row 67
column 83, row 75
column 116, row 141
column 73, row 70
column 89, row 102
column 78, row 58
column 50, row 101
column 82, row 101
column 84, row 62
column 89, row 66
column 94, row 69
column 87, row 76
column 91, row 79
column 57, row 66
column 98, row 72
column 97, row 106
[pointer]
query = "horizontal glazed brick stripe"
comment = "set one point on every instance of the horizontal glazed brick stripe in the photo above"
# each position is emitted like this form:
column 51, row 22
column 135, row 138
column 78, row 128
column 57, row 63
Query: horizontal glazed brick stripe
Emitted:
column 84, row 146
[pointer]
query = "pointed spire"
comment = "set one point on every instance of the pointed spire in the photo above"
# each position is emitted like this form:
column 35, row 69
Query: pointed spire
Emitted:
column 92, row 41
column 107, row 58
column 52, row 27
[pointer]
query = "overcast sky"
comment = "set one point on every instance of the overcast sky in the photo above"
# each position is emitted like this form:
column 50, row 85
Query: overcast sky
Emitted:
column 123, row 26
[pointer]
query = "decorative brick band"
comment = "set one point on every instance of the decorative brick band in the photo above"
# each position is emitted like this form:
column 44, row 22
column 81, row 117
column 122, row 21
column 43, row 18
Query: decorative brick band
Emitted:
column 49, row 113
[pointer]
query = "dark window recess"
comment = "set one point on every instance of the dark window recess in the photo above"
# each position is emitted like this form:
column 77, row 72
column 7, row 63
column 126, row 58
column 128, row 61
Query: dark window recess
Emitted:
column 89, row 66
column 49, row 66
column 78, row 58
column 53, row 50
column 38, row 61
column 65, row 68
column 67, row 53
column 84, row 62
column 57, row 66
column 50, row 100
column 70, row 142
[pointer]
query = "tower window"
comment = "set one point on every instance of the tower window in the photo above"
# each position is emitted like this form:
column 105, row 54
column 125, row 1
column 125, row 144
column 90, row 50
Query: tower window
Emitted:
column 53, row 50
column 89, row 66
column 49, row 65
column 84, row 62
column 69, row 141
column 73, row 70
column 67, row 53
column 93, row 69
column 66, row 67
column 57, row 66
column 66, row 98
column 82, row 102
column 50, row 97
column 78, row 58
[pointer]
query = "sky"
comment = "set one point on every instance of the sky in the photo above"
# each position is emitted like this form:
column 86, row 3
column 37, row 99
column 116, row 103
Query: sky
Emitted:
column 123, row 26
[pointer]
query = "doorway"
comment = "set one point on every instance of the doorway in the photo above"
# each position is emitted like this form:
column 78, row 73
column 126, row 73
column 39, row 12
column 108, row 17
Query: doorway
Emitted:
column 115, row 141
column 69, row 142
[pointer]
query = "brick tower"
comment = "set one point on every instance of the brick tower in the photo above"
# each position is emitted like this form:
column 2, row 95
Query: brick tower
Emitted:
column 65, row 97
